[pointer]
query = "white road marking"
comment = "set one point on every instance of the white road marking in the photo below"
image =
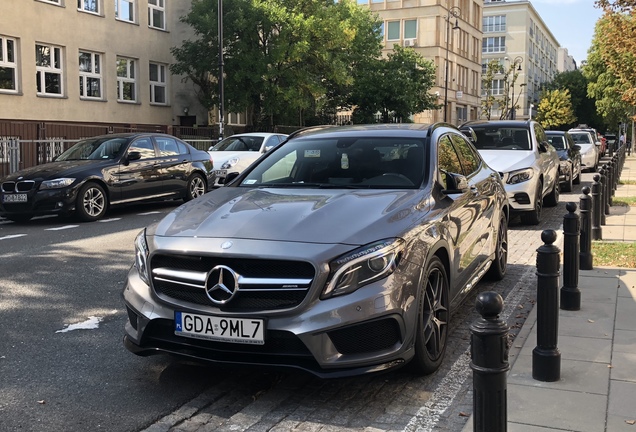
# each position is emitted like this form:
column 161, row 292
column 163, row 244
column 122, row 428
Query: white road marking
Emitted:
column 61, row 228
column 12, row 236
column 91, row 323
column 148, row 213
column 109, row 220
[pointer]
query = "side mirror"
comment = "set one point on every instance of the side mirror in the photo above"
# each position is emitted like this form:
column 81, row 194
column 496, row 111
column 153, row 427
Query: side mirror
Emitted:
column 134, row 155
column 455, row 183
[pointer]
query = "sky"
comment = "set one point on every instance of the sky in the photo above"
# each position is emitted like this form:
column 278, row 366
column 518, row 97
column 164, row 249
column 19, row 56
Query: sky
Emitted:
column 571, row 22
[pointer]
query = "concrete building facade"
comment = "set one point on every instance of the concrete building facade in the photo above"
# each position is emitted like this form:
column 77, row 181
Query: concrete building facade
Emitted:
column 97, row 61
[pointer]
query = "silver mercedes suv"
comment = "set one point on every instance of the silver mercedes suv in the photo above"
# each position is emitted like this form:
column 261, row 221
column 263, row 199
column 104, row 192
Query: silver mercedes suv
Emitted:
column 342, row 251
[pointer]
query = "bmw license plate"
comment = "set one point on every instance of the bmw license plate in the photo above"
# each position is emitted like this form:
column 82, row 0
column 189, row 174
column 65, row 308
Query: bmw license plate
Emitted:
column 10, row 198
column 222, row 329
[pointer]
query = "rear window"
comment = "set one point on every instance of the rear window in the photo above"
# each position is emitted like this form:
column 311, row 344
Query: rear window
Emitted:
column 557, row 141
column 581, row 137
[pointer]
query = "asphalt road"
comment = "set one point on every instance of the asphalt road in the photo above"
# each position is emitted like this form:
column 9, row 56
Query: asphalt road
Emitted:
column 63, row 366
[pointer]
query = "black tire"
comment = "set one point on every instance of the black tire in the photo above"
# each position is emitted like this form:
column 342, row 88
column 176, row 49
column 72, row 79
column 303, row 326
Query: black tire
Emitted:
column 534, row 217
column 567, row 184
column 195, row 188
column 552, row 199
column 431, row 334
column 91, row 203
column 497, row 269
column 22, row 218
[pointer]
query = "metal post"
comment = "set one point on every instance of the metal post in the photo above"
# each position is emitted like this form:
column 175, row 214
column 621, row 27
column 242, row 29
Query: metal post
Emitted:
column 489, row 355
column 546, row 357
column 597, row 231
column 221, row 96
column 586, row 202
column 570, row 293
column 604, row 206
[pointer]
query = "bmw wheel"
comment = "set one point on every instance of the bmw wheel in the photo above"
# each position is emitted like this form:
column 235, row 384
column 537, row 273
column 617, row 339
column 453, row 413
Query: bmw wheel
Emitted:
column 433, row 319
column 195, row 188
column 91, row 202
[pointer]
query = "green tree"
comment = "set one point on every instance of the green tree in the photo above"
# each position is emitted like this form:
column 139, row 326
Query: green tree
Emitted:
column 583, row 105
column 555, row 109
column 488, row 101
column 397, row 86
column 283, row 59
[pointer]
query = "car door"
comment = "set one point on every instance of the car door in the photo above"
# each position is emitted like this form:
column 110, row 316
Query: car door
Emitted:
column 548, row 159
column 174, row 164
column 140, row 178
column 464, row 215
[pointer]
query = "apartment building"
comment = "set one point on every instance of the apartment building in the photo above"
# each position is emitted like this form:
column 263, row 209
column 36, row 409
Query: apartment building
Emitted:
column 94, row 61
column 447, row 32
column 515, row 34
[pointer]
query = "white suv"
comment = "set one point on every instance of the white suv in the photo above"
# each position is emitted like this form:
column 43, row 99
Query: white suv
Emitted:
column 589, row 150
column 526, row 161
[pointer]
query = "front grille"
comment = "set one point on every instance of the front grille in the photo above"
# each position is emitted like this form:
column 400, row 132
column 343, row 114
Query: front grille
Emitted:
column 21, row 186
column 263, row 284
column 366, row 337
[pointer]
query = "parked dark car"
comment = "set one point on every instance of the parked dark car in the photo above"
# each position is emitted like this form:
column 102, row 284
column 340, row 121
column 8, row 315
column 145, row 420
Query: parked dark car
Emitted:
column 570, row 158
column 342, row 251
column 104, row 171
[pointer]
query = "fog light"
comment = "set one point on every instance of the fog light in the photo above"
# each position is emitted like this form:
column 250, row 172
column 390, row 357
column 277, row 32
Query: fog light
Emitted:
column 59, row 204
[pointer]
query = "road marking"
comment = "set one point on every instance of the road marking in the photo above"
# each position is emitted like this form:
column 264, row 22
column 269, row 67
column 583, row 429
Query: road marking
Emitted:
column 427, row 416
column 109, row 220
column 61, row 228
column 148, row 213
column 12, row 236
column 90, row 324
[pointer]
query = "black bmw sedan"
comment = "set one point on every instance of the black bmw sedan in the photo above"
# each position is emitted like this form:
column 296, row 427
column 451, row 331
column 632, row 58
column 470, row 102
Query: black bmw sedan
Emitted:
column 105, row 171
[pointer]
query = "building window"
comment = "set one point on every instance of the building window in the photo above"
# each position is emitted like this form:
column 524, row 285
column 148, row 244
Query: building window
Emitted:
column 393, row 30
column 494, row 44
column 125, row 10
column 410, row 29
column 90, row 75
column 497, row 87
column 158, row 83
column 88, row 5
column 126, row 80
column 48, row 70
column 8, row 65
column 495, row 24
column 157, row 14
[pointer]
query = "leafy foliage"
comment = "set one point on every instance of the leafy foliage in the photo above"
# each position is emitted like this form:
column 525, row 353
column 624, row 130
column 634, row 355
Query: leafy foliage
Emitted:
column 583, row 105
column 555, row 109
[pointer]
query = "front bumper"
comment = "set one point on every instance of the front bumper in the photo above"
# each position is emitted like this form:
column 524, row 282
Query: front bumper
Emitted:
column 41, row 202
column 369, row 330
column 522, row 196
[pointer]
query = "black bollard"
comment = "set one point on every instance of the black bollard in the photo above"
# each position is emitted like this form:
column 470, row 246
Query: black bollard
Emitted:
column 489, row 355
column 585, row 254
column 617, row 175
column 604, row 206
column 546, row 358
column 595, row 209
column 570, row 292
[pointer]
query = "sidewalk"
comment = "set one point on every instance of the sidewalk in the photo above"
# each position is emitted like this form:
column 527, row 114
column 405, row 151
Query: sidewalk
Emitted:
column 597, row 387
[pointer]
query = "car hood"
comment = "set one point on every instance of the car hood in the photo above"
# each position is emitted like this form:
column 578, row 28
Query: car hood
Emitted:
column 353, row 217
column 219, row 157
column 54, row 170
column 506, row 161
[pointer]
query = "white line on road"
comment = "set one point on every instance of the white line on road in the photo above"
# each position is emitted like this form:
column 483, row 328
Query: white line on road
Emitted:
column 148, row 213
column 12, row 236
column 109, row 220
column 61, row 228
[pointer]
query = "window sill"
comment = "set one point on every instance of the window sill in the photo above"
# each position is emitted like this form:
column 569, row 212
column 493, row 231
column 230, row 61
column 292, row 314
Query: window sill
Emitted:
column 51, row 96
column 88, row 99
column 128, row 102
column 11, row 92
column 157, row 104
column 126, row 21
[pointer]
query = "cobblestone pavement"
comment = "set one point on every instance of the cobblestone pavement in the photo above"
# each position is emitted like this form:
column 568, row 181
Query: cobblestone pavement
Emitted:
column 266, row 401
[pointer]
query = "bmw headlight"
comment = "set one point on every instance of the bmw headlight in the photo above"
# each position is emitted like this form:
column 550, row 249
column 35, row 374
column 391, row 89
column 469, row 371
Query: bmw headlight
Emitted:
column 57, row 183
column 230, row 163
column 141, row 256
column 362, row 266
column 520, row 176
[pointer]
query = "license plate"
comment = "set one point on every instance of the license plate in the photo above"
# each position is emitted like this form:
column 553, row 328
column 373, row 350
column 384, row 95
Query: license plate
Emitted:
column 220, row 173
column 223, row 329
column 21, row 197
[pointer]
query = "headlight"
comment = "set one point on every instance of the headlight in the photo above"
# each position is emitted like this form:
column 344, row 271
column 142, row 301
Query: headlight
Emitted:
column 230, row 163
column 141, row 256
column 363, row 266
column 520, row 176
column 57, row 183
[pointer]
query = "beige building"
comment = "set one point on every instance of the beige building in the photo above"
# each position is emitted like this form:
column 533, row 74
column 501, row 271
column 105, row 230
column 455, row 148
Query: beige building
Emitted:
column 440, row 30
column 97, row 61
column 514, row 33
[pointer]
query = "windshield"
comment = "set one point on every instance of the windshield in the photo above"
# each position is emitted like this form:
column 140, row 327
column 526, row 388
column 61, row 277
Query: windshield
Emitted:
column 581, row 137
column 502, row 138
column 239, row 143
column 347, row 162
column 103, row 148
column 557, row 141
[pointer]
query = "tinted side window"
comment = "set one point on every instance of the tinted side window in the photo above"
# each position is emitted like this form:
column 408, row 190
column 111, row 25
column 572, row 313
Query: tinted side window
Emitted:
column 447, row 160
column 143, row 146
column 469, row 160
